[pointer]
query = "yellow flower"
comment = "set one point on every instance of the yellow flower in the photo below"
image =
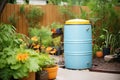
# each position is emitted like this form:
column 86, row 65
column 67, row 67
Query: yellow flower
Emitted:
column 22, row 56
column 35, row 38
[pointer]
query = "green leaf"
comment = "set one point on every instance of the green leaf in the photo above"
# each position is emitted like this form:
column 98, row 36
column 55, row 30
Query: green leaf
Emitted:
column 23, row 71
column 16, row 66
column 2, row 63
column 5, row 74
column 33, row 65
column 11, row 60
column 25, row 67
column 19, row 75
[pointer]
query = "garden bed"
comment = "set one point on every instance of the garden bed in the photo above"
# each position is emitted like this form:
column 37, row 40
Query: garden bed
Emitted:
column 100, row 65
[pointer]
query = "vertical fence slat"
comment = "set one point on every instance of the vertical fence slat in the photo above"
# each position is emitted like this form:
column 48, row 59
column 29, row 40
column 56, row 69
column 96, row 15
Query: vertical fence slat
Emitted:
column 24, row 25
column 8, row 11
column 15, row 9
column 4, row 15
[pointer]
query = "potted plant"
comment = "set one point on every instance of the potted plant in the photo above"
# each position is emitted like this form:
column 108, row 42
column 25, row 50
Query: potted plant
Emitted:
column 108, row 37
column 16, row 61
column 49, row 65
column 97, row 51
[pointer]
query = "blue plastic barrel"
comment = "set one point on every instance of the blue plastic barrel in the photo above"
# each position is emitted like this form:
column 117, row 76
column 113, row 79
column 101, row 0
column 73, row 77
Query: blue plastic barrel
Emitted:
column 77, row 44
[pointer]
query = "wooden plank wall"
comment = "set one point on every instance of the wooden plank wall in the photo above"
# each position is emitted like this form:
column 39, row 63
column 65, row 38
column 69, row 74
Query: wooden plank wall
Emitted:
column 51, row 14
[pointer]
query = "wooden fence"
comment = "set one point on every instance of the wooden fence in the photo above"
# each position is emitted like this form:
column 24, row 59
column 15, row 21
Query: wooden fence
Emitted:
column 51, row 14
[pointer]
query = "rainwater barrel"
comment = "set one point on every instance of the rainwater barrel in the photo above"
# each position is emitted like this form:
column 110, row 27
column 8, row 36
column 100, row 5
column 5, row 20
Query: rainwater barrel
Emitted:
column 77, row 44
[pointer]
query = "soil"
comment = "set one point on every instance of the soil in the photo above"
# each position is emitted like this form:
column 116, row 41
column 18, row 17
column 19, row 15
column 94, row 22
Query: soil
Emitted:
column 102, row 66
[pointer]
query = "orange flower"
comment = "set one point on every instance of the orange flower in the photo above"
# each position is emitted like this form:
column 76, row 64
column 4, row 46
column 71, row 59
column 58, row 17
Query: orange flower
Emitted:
column 36, row 46
column 48, row 49
column 53, row 51
column 53, row 30
column 35, row 38
column 22, row 57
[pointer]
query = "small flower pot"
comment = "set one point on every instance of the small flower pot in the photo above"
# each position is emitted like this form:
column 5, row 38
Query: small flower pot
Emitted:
column 99, row 54
column 30, row 77
column 106, row 51
column 41, row 75
column 52, row 72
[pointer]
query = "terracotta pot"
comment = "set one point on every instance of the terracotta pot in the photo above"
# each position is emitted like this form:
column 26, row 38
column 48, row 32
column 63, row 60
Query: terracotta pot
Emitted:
column 30, row 77
column 99, row 54
column 52, row 72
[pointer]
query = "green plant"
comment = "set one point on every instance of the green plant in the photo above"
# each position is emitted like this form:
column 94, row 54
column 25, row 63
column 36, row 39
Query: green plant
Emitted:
column 66, row 12
column 35, row 41
column 47, row 61
column 96, row 48
column 34, row 32
column 56, row 25
column 33, row 15
column 22, row 9
column 110, row 40
column 7, row 36
column 12, row 19
column 43, row 34
column 107, row 38
column 15, row 60
column 84, row 14
column 48, row 64
column 57, row 41
column 101, row 14
column 17, row 63
column 40, row 37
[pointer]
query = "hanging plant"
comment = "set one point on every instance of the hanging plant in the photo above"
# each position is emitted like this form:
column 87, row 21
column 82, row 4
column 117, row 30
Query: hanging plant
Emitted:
column 34, row 15
column 12, row 19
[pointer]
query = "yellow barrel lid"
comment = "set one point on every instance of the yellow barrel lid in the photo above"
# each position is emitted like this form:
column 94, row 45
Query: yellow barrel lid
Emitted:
column 77, row 21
